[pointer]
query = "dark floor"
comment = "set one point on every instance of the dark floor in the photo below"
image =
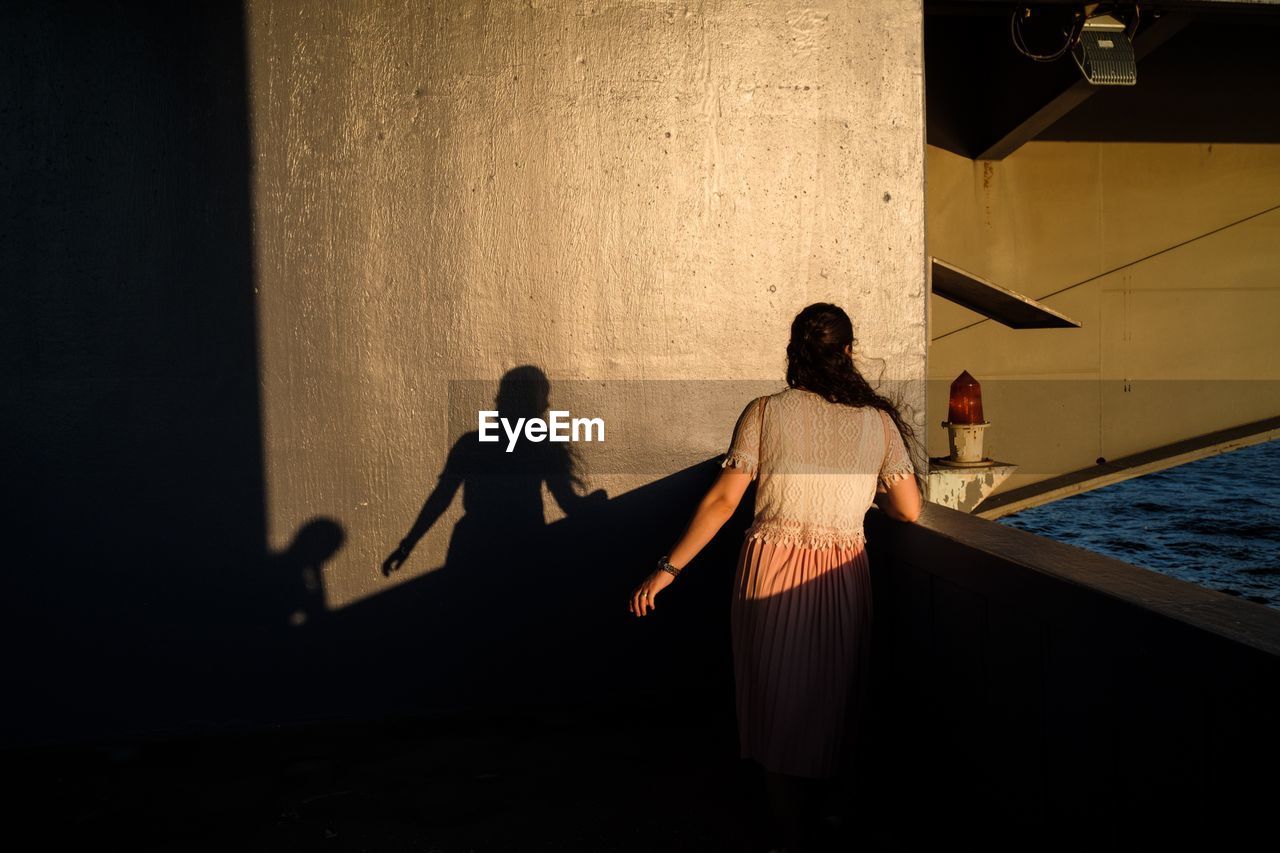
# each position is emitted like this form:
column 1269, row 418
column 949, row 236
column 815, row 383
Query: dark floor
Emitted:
column 531, row 779
column 534, row 780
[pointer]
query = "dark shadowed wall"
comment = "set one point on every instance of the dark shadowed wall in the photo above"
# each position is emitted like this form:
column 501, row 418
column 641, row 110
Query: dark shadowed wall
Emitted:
column 131, row 365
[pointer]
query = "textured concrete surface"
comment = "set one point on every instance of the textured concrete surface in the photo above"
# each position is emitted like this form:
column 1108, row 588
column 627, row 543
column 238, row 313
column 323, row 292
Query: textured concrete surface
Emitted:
column 608, row 191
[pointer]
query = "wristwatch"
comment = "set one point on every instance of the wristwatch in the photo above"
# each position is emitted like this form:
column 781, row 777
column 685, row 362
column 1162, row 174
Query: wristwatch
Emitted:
column 665, row 565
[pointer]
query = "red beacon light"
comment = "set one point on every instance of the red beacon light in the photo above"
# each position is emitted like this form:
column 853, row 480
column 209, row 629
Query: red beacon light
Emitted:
column 965, row 423
column 966, row 401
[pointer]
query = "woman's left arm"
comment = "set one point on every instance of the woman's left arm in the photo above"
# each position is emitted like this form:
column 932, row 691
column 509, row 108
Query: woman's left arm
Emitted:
column 716, row 507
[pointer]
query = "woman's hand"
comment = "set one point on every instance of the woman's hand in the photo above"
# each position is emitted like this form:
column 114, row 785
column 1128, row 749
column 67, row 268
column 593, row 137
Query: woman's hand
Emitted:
column 396, row 560
column 643, row 596
column 713, row 511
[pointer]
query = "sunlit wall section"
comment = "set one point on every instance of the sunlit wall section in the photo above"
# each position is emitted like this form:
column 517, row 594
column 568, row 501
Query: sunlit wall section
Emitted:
column 614, row 193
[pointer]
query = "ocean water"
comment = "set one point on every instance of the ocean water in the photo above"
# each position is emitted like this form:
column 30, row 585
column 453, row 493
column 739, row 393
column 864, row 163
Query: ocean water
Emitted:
column 1214, row 522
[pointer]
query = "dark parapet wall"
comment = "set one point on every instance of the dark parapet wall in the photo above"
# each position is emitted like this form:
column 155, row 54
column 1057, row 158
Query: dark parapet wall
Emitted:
column 1025, row 683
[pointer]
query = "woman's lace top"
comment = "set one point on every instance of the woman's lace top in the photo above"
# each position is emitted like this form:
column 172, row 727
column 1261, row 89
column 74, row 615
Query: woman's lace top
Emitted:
column 818, row 466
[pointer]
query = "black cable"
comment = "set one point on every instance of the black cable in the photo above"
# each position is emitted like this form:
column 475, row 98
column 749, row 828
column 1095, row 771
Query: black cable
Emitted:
column 1019, row 43
column 1078, row 20
column 1137, row 16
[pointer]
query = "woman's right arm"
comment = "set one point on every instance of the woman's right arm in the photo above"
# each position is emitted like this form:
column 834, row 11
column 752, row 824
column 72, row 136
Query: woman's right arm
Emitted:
column 716, row 507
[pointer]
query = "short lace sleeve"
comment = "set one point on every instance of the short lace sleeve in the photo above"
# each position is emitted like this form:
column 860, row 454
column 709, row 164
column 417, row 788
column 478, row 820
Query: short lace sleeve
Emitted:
column 744, row 449
column 897, row 462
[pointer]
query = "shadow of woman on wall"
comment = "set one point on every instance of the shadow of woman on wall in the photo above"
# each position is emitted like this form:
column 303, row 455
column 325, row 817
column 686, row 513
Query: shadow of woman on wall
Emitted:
column 490, row 586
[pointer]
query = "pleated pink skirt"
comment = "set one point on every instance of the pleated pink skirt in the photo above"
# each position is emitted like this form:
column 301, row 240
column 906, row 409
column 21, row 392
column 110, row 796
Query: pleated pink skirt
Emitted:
column 801, row 631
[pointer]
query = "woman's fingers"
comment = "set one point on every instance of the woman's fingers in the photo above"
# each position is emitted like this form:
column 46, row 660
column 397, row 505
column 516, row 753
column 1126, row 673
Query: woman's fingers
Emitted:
column 642, row 599
column 640, row 603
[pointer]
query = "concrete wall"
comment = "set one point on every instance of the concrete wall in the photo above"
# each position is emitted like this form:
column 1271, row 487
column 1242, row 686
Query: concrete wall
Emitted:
column 614, row 192
column 266, row 269
column 1167, row 254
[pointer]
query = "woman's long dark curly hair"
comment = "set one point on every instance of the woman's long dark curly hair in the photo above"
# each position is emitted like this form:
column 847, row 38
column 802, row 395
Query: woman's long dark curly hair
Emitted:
column 817, row 362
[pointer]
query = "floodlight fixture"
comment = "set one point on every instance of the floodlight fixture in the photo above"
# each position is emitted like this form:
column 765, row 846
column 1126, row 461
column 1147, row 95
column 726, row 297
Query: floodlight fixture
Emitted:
column 1104, row 53
column 1095, row 34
